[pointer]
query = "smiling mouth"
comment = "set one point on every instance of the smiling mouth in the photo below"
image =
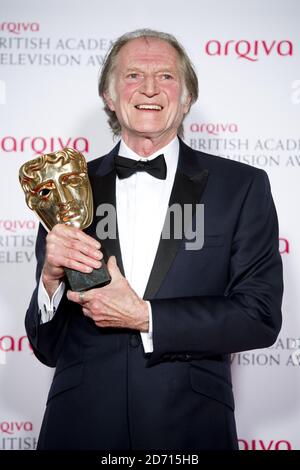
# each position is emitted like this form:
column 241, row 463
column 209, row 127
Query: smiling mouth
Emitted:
column 149, row 107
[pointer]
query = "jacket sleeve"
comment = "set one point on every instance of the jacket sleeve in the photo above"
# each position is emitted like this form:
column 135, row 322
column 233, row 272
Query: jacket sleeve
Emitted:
column 248, row 315
column 46, row 339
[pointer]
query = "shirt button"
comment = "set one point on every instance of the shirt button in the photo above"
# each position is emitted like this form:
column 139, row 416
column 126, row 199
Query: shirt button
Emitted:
column 134, row 340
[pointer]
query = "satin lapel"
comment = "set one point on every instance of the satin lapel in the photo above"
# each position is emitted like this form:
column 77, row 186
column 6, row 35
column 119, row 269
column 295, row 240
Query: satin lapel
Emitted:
column 186, row 190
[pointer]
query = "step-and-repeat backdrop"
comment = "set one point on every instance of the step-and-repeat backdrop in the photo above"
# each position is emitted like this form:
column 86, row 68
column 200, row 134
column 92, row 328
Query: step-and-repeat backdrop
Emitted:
column 247, row 55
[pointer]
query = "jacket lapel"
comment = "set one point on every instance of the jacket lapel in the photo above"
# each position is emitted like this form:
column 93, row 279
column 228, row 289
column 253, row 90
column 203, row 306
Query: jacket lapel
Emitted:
column 189, row 185
column 103, row 183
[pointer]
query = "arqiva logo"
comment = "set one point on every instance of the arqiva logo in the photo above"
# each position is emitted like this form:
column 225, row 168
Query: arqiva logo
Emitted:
column 13, row 427
column 260, row 444
column 17, row 28
column 40, row 144
column 251, row 50
column 10, row 343
column 17, row 225
column 284, row 246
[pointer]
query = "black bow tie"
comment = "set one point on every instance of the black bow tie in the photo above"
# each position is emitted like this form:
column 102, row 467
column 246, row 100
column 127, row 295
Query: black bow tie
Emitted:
column 126, row 167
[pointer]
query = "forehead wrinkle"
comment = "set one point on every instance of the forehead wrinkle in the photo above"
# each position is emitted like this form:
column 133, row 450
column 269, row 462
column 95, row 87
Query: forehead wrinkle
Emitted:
column 135, row 48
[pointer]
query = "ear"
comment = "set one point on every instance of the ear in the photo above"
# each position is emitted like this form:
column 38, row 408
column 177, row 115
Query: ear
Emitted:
column 108, row 100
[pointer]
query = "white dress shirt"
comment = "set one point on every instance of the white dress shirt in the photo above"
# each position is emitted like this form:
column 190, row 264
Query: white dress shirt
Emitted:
column 142, row 203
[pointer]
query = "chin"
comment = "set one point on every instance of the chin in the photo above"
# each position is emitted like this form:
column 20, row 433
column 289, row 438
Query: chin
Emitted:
column 148, row 130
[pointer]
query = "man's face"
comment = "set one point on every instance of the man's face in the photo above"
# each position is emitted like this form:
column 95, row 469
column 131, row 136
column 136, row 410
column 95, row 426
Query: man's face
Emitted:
column 148, row 92
column 63, row 195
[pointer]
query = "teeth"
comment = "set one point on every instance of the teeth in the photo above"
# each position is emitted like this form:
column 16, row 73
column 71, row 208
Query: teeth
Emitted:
column 149, row 106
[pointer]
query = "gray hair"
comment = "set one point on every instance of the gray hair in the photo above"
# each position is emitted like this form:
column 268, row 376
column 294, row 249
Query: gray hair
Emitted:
column 105, row 79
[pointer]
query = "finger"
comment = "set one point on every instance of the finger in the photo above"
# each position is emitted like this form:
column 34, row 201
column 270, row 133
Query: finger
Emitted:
column 73, row 257
column 77, row 262
column 86, row 312
column 75, row 233
column 73, row 249
column 85, row 249
column 113, row 268
column 105, row 324
column 76, row 297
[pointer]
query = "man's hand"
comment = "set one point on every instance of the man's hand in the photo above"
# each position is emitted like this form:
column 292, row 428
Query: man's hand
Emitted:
column 115, row 305
column 68, row 247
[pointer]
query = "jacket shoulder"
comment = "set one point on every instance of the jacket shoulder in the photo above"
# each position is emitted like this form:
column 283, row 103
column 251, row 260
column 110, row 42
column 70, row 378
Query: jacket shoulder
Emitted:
column 218, row 165
column 225, row 166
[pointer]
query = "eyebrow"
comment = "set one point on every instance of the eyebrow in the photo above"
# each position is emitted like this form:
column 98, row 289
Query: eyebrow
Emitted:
column 41, row 185
column 157, row 70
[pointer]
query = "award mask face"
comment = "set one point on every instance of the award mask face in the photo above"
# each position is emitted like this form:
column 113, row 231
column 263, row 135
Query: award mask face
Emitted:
column 57, row 188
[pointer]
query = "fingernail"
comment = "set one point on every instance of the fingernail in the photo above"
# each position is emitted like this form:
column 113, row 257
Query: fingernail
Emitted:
column 88, row 269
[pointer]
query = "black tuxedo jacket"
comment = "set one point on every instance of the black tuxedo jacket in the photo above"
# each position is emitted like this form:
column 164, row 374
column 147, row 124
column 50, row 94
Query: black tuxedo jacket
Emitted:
column 106, row 392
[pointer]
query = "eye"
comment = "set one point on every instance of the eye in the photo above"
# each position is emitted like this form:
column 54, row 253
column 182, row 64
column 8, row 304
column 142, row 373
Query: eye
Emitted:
column 132, row 76
column 166, row 76
column 44, row 192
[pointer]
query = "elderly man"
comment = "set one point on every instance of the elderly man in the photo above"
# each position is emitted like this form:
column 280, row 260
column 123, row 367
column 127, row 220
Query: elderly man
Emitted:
column 144, row 362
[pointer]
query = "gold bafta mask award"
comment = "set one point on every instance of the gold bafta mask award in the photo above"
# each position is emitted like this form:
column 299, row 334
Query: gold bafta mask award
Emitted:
column 58, row 190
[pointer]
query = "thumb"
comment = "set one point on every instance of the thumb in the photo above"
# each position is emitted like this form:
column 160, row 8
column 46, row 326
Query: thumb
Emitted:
column 113, row 267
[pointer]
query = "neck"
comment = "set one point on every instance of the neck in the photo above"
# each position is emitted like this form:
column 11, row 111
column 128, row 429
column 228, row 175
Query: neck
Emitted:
column 147, row 145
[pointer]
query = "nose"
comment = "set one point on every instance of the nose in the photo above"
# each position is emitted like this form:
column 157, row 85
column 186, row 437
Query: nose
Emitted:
column 150, row 87
column 63, row 194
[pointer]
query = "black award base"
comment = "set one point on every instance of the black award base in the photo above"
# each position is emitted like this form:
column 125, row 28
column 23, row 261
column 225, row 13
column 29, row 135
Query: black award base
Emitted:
column 84, row 281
